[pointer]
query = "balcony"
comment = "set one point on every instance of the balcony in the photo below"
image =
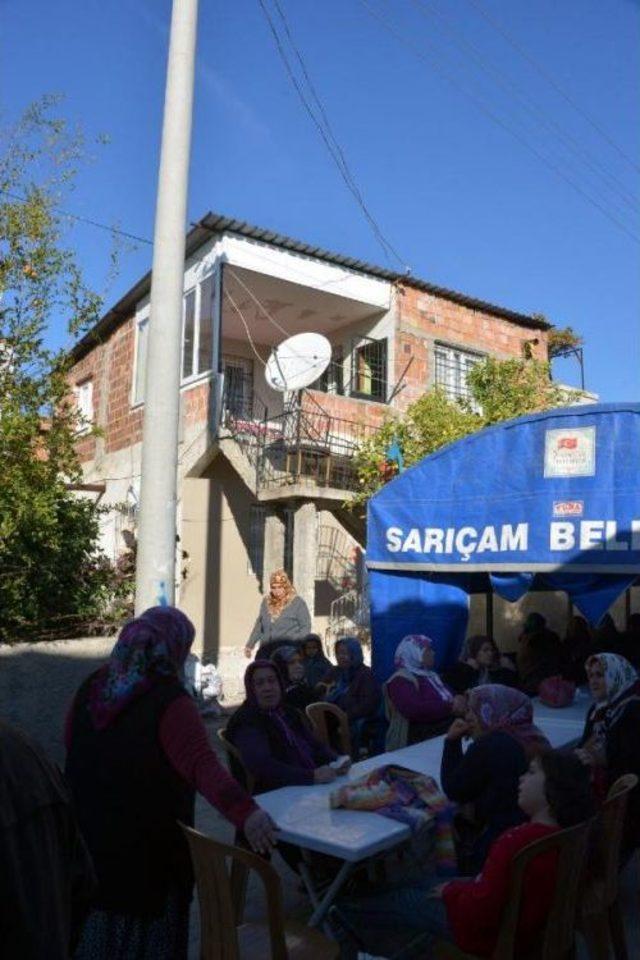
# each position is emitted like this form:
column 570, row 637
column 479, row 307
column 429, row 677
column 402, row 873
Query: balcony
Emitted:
column 301, row 445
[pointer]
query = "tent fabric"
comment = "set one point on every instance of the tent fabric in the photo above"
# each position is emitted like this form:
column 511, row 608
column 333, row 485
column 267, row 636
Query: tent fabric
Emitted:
column 548, row 501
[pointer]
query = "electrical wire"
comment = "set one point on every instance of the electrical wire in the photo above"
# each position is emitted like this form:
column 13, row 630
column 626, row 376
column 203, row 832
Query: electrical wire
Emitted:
column 246, row 327
column 324, row 129
column 257, row 302
column 488, row 111
column 427, row 9
column 80, row 219
column 551, row 80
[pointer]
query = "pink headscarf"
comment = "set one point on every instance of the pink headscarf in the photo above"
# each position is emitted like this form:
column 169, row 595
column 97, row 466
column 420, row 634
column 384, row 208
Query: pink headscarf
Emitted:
column 497, row 707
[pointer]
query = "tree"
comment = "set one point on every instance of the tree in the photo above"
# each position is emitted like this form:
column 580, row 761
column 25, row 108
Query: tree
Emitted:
column 500, row 390
column 52, row 575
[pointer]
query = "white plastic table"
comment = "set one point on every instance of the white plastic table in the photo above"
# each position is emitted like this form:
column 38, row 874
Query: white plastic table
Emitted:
column 304, row 818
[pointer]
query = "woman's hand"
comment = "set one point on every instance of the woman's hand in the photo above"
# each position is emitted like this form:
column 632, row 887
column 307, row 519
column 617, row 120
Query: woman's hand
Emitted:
column 260, row 831
column 458, row 729
column 506, row 663
column 324, row 775
column 473, row 663
column 459, row 707
column 247, row 652
column 585, row 757
column 344, row 767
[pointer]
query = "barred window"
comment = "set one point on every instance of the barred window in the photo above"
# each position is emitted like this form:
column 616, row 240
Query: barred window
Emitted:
column 369, row 369
column 452, row 367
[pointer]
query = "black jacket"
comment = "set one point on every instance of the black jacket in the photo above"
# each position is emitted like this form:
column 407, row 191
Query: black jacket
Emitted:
column 128, row 799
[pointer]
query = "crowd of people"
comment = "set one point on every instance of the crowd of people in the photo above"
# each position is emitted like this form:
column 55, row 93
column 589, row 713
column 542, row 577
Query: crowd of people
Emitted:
column 138, row 752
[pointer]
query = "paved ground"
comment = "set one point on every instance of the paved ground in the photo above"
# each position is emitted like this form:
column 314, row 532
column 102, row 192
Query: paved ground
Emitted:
column 37, row 683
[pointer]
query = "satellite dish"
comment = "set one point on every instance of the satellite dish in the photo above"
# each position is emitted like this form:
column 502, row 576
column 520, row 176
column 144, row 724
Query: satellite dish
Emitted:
column 297, row 362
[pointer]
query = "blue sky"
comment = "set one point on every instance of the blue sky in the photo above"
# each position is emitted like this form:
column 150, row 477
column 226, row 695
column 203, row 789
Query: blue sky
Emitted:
column 465, row 203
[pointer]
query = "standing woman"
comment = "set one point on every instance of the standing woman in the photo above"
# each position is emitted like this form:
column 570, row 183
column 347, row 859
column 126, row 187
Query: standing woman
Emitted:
column 283, row 616
column 137, row 752
column 610, row 743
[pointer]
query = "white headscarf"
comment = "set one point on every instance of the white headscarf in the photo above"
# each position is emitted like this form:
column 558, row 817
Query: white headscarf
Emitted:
column 409, row 657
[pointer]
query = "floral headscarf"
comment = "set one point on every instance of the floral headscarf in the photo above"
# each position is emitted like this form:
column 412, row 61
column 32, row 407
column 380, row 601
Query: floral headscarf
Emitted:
column 409, row 657
column 623, row 685
column 497, row 707
column 150, row 647
column 276, row 605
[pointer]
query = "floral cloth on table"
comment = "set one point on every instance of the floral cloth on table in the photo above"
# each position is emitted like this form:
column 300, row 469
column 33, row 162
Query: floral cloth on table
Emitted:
column 410, row 797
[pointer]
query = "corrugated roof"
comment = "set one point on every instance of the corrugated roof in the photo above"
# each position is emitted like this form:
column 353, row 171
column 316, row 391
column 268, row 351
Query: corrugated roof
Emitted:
column 219, row 224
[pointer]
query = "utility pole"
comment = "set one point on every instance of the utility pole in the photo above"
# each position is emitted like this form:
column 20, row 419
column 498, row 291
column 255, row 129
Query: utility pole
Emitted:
column 155, row 566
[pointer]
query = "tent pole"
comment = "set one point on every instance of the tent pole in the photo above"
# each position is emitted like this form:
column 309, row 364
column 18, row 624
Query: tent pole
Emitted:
column 627, row 607
column 489, row 613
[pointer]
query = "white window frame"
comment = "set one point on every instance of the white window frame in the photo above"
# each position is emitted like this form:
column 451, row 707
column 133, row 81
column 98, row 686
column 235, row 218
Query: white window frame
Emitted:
column 142, row 320
column 197, row 307
column 456, row 357
column 83, row 395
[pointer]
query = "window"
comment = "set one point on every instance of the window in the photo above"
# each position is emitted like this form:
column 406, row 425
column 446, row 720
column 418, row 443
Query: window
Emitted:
column 142, row 338
column 332, row 380
column 238, row 387
column 369, row 369
column 256, row 539
column 197, row 329
column 83, row 393
column 452, row 367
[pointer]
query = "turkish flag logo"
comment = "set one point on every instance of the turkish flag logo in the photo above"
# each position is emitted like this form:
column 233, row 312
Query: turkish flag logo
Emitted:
column 568, row 443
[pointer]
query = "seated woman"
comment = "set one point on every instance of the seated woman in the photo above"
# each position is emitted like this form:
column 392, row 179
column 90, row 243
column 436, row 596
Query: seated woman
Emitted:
column 316, row 665
column 499, row 721
column 352, row 686
column 553, row 794
column 539, row 653
column 610, row 743
column 422, row 704
column 275, row 742
column 483, row 664
column 297, row 692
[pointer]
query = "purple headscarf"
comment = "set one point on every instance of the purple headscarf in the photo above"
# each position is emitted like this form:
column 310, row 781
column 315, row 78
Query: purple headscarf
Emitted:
column 152, row 646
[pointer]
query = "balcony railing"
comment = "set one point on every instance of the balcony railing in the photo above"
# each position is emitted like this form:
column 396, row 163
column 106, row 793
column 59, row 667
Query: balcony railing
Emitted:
column 303, row 444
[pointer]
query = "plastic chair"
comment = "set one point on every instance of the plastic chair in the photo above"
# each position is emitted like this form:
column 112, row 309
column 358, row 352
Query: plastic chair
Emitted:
column 600, row 918
column 557, row 937
column 222, row 937
column 237, row 765
column 318, row 713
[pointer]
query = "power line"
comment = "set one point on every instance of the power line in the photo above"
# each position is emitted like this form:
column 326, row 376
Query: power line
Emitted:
column 260, row 306
column 426, row 9
column 488, row 111
column 246, row 327
column 551, row 80
column 80, row 219
column 324, row 129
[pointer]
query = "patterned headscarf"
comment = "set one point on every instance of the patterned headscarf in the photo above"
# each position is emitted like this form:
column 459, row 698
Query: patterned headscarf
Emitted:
column 409, row 657
column 152, row 646
column 497, row 707
column 276, row 605
column 623, row 685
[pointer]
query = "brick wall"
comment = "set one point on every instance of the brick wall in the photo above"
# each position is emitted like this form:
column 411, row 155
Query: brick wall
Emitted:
column 110, row 365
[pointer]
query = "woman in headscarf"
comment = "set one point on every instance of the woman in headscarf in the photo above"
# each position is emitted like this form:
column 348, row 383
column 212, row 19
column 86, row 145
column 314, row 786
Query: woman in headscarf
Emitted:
column 298, row 693
column 275, row 741
column 316, row 665
column 499, row 722
column 419, row 701
column 352, row 686
column 610, row 743
column 283, row 616
column 483, row 664
column 137, row 753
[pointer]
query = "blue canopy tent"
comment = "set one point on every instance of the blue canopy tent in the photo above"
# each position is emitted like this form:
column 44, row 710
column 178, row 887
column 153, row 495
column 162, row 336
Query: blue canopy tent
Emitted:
column 549, row 501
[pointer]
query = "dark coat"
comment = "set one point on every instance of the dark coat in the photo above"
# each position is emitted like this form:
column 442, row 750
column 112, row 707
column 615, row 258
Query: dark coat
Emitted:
column 487, row 776
column 129, row 800
column 363, row 697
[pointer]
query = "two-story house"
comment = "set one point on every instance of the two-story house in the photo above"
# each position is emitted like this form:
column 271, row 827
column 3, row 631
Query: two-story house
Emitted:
column 264, row 476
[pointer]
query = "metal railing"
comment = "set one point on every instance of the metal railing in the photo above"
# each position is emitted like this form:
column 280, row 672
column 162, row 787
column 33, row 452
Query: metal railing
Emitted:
column 304, row 443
